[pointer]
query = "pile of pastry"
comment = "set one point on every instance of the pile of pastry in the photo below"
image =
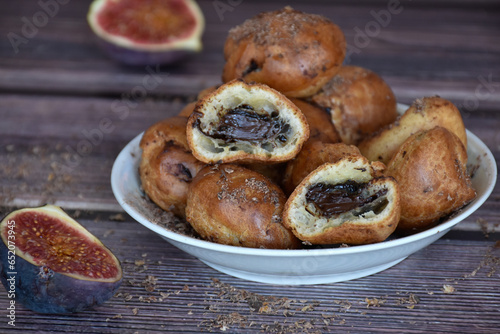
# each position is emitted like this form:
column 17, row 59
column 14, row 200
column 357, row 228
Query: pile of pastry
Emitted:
column 294, row 148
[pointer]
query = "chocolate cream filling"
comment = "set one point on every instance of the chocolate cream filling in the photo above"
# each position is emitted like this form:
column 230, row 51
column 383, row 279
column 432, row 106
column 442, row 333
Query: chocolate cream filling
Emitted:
column 244, row 124
column 333, row 199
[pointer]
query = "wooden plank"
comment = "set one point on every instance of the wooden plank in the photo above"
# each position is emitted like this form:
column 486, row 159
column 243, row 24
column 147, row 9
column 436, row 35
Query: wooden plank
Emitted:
column 449, row 52
column 185, row 295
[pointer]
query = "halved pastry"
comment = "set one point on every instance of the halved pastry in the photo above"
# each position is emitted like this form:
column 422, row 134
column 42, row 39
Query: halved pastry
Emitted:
column 246, row 123
column 344, row 202
column 313, row 155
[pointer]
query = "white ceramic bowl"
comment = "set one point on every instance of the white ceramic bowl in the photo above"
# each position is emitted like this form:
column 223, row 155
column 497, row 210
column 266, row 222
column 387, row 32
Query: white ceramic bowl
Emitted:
column 297, row 267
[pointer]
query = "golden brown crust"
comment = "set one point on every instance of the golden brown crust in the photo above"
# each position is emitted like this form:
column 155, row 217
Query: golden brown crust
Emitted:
column 187, row 110
column 233, row 205
column 430, row 168
column 264, row 101
column 293, row 52
column 313, row 155
column 320, row 126
column 173, row 128
column 360, row 102
column 423, row 114
column 167, row 166
column 370, row 223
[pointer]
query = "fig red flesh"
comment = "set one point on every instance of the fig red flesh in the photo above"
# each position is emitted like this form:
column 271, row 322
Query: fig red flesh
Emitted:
column 148, row 21
column 52, row 264
column 56, row 245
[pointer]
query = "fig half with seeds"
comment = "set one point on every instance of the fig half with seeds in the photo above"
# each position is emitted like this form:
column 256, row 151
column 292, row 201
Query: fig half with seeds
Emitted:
column 52, row 264
column 147, row 32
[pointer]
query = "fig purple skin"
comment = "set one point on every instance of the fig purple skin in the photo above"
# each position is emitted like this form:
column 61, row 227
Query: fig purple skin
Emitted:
column 42, row 290
column 142, row 58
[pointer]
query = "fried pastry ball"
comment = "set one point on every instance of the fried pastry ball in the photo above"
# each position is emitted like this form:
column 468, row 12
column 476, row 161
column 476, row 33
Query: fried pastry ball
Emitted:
column 167, row 165
column 423, row 114
column 187, row 110
column 320, row 126
column 313, row 155
column 233, row 205
column 246, row 123
column 291, row 51
column 360, row 102
column 430, row 168
column 344, row 202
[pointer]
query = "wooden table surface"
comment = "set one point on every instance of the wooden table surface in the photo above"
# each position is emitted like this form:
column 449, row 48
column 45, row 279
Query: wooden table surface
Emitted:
column 56, row 85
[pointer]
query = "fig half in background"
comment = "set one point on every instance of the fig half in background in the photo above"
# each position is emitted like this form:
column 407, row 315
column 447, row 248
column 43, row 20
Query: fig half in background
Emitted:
column 51, row 264
column 147, row 32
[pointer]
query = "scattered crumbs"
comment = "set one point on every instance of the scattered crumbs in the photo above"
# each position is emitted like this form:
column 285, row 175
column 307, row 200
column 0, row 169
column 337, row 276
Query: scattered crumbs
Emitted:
column 483, row 225
column 345, row 305
column 135, row 311
column 419, row 105
column 116, row 316
column 449, row 289
column 261, row 304
column 119, row 217
column 162, row 218
column 149, row 283
column 140, row 262
column 107, row 233
column 149, row 299
column 489, row 261
column 409, row 302
column 374, row 302
column 223, row 322
column 185, row 288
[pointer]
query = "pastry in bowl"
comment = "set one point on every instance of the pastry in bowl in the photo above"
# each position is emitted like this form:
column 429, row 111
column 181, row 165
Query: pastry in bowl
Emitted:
column 360, row 102
column 293, row 52
column 430, row 168
column 344, row 202
column 233, row 205
column 320, row 126
column 167, row 165
column 423, row 114
column 313, row 155
column 246, row 123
